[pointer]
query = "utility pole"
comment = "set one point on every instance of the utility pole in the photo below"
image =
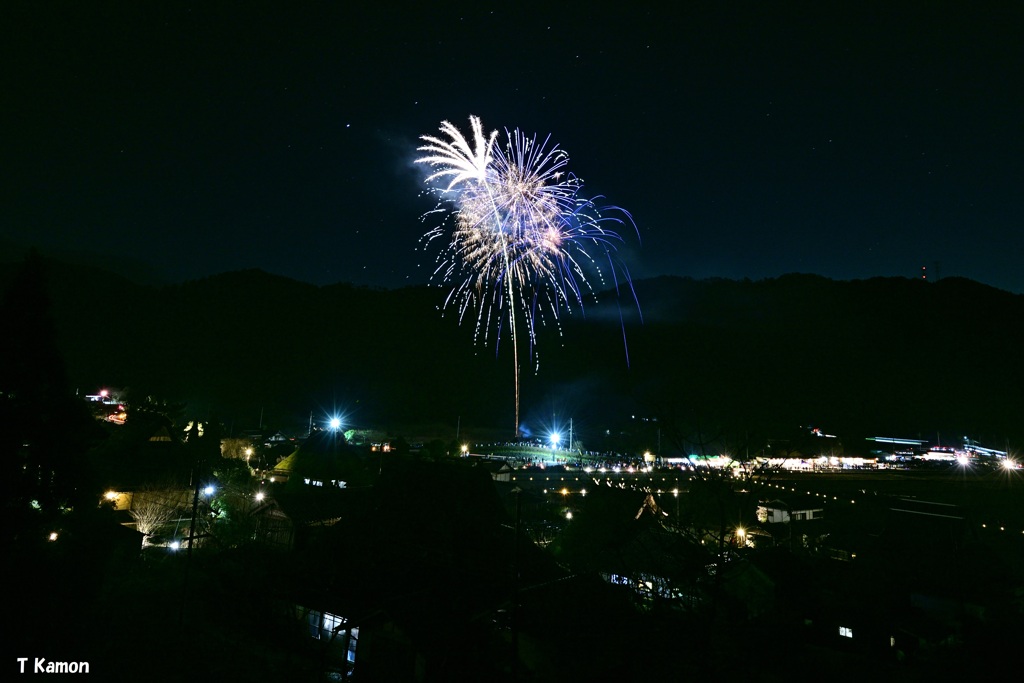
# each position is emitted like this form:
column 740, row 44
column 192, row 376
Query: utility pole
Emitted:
column 196, row 483
column 517, row 492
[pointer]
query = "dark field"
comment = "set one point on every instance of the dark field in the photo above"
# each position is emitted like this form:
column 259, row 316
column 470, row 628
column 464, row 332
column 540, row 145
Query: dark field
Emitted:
column 986, row 495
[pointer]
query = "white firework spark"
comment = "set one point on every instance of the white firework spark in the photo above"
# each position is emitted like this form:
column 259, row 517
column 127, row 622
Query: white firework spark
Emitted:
column 523, row 235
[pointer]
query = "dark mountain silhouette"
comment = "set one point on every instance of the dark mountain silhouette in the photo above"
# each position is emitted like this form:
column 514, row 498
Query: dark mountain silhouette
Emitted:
column 888, row 356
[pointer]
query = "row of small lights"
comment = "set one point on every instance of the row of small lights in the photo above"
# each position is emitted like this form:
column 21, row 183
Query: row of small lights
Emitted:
column 675, row 492
column 825, row 497
column 259, row 496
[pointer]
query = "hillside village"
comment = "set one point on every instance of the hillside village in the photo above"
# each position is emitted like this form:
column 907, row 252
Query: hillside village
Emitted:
column 380, row 561
column 145, row 536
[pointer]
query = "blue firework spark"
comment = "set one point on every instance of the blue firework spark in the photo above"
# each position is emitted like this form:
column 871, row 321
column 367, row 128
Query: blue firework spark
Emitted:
column 526, row 244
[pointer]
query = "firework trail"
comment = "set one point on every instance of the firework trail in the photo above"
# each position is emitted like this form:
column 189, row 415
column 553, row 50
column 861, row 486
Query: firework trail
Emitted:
column 525, row 242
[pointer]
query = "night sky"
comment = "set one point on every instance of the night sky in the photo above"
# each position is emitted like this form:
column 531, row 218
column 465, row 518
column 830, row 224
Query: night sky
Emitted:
column 748, row 139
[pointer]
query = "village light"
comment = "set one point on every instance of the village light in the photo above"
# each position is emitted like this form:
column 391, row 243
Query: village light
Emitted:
column 53, row 536
column 208, row 491
column 259, row 495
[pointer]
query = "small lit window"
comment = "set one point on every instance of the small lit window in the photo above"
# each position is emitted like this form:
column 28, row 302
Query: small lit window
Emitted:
column 846, row 632
column 332, row 622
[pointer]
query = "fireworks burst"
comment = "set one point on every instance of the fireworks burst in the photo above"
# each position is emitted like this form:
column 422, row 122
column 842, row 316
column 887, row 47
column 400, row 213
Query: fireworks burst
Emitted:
column 525, row 243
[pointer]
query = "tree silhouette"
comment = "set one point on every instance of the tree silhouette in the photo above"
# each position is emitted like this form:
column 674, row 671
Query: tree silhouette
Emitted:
column 152, row 508
column 44, row 430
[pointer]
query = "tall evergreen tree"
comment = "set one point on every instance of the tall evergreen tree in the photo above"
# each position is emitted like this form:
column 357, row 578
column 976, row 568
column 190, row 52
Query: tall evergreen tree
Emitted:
column 45, row 431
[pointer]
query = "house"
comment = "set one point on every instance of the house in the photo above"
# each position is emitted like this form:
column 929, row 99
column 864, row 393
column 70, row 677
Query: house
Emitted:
column 498, row 469
column 372, row 646
column 794, row 522
column 325, row 459
column 411, row 574
column 798, row 509
column 143, row 453
column 623, row 537
column 288, row 519
column 273, row 527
